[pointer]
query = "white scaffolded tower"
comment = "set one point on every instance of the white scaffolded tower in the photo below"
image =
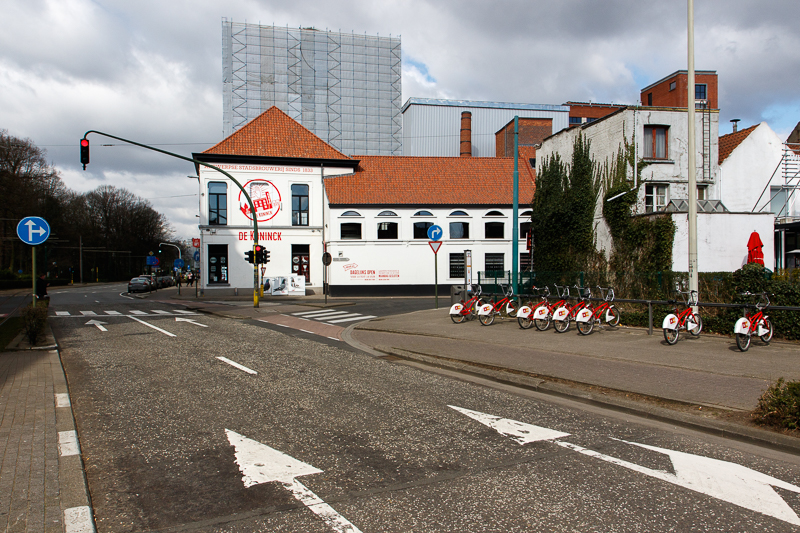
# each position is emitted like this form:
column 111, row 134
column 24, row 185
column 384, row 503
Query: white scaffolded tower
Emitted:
column 345, row 88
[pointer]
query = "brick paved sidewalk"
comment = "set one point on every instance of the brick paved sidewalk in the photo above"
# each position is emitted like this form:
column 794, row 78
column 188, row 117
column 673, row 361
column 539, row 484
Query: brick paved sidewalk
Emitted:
column 41, row 475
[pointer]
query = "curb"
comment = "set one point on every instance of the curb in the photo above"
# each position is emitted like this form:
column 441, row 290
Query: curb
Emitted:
column 76, row 505
column 709, row 426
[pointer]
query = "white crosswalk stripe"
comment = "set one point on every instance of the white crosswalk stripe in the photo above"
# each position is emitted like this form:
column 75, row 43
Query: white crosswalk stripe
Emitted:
column 331, row 316
column 113, row 313
column 155, row 312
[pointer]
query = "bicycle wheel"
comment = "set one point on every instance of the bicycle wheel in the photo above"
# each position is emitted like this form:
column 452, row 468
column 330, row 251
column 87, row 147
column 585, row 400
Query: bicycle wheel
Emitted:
column 615, row 316
column 525, row 322
column 509, row 310
column 585, row 328
column 766, row 324
column 477, row 304
column 743, row 341
column 542, row 323
column 458, row 319
column 487, row 320
column 562, row 325
column 670, row 335
column 699, row 321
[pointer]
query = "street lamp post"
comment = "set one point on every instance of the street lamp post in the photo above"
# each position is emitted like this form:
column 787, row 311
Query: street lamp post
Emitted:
column 179, row 257
column 692, row 149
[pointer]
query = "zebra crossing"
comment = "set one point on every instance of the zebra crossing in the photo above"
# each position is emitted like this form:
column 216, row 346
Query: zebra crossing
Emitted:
column 135, row 312
column 332, row 316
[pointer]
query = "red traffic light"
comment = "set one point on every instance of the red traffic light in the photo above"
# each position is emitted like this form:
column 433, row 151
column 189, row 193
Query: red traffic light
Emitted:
column 257, row 247
column 84, row 152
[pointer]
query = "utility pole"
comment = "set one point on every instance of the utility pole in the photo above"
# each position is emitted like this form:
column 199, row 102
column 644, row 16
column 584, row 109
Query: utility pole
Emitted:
column 692, row 149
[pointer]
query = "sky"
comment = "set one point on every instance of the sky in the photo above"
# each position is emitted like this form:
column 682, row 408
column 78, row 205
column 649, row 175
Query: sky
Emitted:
column 151, row 70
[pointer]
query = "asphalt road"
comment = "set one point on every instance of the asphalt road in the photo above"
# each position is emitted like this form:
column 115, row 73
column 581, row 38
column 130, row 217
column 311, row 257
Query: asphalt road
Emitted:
column 176, row 439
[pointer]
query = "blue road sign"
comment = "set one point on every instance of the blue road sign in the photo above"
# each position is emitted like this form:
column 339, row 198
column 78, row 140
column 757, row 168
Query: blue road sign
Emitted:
column 33, row 230
column 178, row 263
column 197, row 256
column 435, row 233
column 152, row 260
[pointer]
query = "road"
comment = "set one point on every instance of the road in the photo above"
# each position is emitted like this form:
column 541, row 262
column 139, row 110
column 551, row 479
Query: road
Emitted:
column 192, row 422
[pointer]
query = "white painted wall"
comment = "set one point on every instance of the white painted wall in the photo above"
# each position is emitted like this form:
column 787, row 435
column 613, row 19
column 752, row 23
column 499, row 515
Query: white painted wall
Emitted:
column 748, row 170
column 277, row 233
column 409, row 261
column 721, row 240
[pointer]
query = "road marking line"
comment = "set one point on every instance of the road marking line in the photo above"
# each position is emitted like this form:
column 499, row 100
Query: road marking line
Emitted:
column 62, row 399
column 365, row 317
column 68, row 443
column 62, row 313
column 138, row 313
column 237, row 365
column 318, row 311
column 78, row 520
column 333, row 338
column 184, row 312
column 162, row 312
column 152, row 326
column 88, row 313
column 114, row 313
column 306, row 331
column 344, row 315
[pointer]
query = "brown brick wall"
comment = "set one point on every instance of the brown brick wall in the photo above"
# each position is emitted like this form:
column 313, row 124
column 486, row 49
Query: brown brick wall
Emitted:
column 663, row 97
column 532, row 131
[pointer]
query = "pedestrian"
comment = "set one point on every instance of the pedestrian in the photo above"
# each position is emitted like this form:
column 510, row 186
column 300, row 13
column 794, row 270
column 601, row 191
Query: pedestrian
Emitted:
column 41, row 288
column 189, row 279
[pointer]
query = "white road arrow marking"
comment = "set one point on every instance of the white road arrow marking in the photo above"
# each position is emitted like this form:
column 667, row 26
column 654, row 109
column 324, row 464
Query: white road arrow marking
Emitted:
column 723, row 480
column 519, row 431
column 98, row 324
column 259, row 463
column 179, row 319
column 165, row 332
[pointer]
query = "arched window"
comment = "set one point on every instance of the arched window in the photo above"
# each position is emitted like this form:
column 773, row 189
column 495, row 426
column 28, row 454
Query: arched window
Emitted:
column 350, row 214
column 494, row 214
column 387, row 214
column 459, row 214
column 423, row 214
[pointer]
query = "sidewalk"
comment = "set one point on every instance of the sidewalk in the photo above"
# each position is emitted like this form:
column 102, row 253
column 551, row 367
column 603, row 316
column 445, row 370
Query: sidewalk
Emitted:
column 42, row 486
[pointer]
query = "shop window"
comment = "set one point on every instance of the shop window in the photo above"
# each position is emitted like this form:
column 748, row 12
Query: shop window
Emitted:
column 387, row 230
column 299, row 205
column 351, row 230
column 655, row 198
column 457, row 266
column 421, row 229
column 656, row 142
column 217, row 204
column 459, row 230
column 217, row 264
column 495, row 264
column 301, row 264
column 494, row 230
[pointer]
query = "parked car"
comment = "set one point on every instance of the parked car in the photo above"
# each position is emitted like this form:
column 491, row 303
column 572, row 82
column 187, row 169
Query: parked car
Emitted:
column 139, row 285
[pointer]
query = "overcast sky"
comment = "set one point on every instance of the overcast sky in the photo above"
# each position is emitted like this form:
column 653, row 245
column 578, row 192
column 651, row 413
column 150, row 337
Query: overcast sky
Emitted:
column 151, row 70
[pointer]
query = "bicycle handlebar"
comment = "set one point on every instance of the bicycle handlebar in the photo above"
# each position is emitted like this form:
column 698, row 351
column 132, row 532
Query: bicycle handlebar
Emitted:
column 763, row 298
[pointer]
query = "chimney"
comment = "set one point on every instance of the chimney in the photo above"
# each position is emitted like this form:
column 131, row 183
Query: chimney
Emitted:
column 735, row 122
column 466, row 134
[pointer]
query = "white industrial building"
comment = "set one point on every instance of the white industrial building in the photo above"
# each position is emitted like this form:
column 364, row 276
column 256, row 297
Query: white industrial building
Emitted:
column 432, row 127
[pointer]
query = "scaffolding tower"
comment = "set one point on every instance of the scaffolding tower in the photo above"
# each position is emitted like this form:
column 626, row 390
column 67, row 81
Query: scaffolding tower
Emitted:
column 345, row 88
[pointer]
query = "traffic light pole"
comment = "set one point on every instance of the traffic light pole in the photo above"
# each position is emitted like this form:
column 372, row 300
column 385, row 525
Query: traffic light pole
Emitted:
column 195, row 161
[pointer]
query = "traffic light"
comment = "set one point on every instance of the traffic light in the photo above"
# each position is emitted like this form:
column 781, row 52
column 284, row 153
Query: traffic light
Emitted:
column 262, row 255
column 84, row 152
column 248, row 255
column 266, row 256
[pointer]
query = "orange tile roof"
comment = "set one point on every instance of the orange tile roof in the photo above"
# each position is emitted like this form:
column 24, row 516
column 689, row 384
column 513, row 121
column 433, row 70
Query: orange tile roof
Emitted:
column 275, row 134
column 729, row 142
column 403, row 180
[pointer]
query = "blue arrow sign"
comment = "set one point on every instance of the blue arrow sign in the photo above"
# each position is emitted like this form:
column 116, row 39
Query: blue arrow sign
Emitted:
column 435, row 233
column 197, row 256
column 178, row 263
column 33, row 230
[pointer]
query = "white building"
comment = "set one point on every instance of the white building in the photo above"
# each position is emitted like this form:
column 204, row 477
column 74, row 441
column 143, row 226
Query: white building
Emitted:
column 370, row 213
column 660, row 136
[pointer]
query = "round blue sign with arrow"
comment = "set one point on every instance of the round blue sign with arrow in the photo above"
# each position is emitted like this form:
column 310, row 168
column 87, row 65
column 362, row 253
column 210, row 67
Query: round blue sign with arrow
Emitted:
column 435, row 233
column 197, row 256
column 178, row 263
column 33, row 230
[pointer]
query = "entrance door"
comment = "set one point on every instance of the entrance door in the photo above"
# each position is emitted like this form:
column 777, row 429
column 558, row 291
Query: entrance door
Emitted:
column 217, row 264
column 300, row 261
